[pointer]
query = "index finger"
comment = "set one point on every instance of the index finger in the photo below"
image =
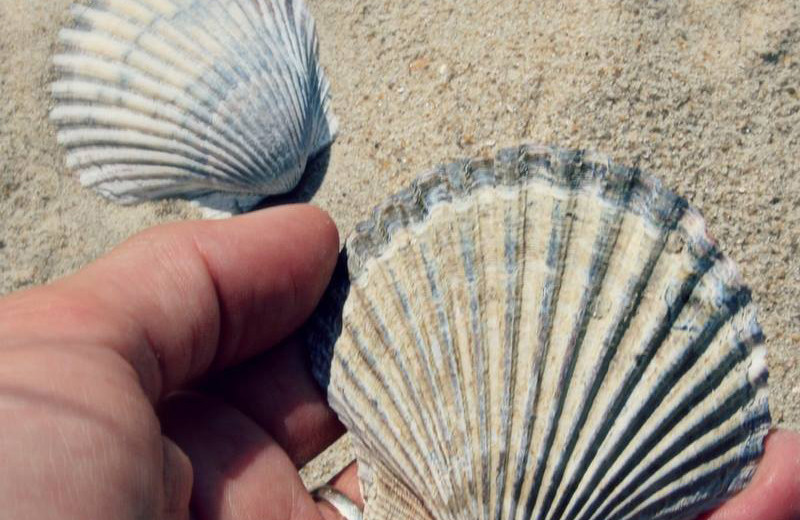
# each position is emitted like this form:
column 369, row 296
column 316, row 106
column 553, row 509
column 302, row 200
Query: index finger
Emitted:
column 180, row 300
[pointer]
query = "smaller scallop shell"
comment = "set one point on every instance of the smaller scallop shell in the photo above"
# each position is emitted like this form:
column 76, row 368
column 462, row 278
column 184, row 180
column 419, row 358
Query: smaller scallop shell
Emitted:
column 542, row 336
column 217, row 100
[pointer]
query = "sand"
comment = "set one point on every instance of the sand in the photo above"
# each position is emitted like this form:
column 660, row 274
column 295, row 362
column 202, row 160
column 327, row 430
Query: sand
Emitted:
column 704, row 94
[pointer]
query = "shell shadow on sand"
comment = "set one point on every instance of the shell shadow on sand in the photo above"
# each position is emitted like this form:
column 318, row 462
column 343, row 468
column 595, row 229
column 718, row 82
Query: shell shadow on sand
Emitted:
column 307, row 187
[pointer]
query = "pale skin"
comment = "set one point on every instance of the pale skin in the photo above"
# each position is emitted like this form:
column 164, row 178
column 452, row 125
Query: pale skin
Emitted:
column 163, row 382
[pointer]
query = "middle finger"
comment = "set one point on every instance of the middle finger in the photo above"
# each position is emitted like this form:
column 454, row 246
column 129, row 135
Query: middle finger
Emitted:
column 240, row 472
column 278, row 392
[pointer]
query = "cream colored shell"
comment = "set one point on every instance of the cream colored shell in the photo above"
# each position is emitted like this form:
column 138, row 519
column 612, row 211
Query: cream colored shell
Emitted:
column 544, row 336
column 191, row 98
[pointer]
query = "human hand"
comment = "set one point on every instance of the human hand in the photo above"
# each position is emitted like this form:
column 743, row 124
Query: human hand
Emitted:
column 90, row 424
column 160, row 379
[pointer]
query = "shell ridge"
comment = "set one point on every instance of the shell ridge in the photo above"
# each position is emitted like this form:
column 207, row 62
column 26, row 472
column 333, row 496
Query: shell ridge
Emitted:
column 289, row 68
column 403, row 503
column 101, row 156
column 453, row 431
column 632, row 378
column 383, row 422
column 80, row 91
column 394, row 433
column 122, row 184
column 88, row 16
column 552, row 415
column 112, row 96
column 725, row 444
column 627, row 311
column 105, row 137
column 487, row 243
column 602, row 249
column 564, row 164
column 414, row 205
column 159, row 188
column 428, row 195
column 176, row 96
column 97, row 176
column 515, row 267
column 219, row 73
column 303, row 23
column 409, row 300
column 250, row 73
column 754, row 413
column 618, row 186
column 105, row 118
column 513, row 166
column 402, row 300
column 531, row 398
column 557, row 249
column 657, row 510
column 385, row 334
column 278, row 24
column 474, row 278
column 326, row 126
column 292, row 67
column 97, row 173
column 312, row 86
column 115, row 38
column 730, row 406
column 661, row 389
column 94, row 150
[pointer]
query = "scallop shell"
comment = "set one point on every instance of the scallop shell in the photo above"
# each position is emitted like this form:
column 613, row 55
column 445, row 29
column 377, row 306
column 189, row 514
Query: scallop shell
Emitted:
column 548, row 336
column 186, row 98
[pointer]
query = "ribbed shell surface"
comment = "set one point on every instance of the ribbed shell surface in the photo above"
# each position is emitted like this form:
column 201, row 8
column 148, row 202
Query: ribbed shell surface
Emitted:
column 545, row 336
column 159, row 98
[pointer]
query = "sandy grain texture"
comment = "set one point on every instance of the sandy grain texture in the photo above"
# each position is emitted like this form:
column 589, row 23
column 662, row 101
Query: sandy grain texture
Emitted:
column 704, row 94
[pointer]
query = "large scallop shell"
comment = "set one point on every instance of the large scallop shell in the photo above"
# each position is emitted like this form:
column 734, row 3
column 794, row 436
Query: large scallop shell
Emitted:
column 545, row 336
column 159, row 98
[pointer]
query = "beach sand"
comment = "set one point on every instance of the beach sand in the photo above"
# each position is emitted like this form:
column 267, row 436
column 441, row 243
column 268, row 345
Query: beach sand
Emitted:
column 703, row 94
